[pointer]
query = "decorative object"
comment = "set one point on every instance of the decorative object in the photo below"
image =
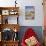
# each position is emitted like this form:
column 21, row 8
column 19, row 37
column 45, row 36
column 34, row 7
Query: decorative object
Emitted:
column 31, row 41
column 15, row 30
column 15, row 37
column 30, row 38
column 13, row 12
column 15, row 3
column 29, row 12
column 5, row 12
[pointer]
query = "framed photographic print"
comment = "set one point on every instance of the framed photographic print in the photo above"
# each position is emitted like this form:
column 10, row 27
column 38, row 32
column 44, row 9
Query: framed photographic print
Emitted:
column 29, row 12
column 5, row 12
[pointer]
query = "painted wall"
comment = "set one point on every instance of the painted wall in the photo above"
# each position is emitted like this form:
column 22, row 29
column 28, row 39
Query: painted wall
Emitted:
column 38, row 21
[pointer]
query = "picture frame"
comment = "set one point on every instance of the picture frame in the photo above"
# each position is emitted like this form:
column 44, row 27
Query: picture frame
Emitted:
column 29, row 12
column 5, row 12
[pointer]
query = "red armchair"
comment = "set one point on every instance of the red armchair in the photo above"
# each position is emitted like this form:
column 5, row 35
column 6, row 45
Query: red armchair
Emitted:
column 28, row 34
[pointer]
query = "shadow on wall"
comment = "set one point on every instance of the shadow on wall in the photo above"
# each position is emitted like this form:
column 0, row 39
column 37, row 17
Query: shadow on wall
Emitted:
column 37, row 29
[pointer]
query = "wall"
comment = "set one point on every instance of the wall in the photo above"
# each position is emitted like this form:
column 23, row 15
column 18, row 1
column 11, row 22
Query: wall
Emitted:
column 38, row 21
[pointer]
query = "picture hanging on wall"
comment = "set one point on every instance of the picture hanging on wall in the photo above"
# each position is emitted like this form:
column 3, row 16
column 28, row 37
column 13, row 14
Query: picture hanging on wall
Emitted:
column 29, row 12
